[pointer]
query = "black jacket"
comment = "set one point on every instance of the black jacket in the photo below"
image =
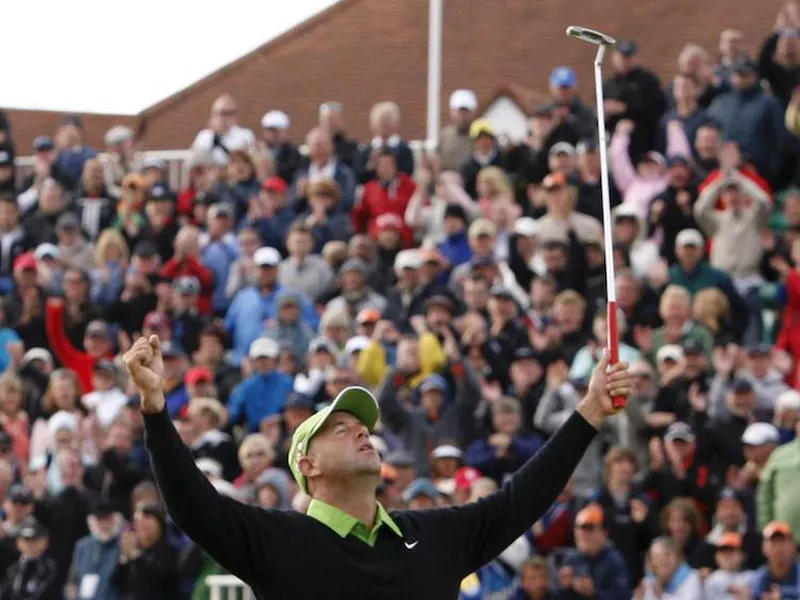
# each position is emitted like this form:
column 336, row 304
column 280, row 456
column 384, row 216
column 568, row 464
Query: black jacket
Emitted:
column 642, row 93
column 673, row 219
column 114, row 477
column 152, row 576
column 405, row 161
column 33, row 579
column 22, row 242
column 470, row 171
column 219, row 446
column 346, row 150
column 287, row 160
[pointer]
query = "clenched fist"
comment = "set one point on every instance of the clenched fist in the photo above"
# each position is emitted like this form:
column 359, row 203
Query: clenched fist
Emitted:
column 146, row 368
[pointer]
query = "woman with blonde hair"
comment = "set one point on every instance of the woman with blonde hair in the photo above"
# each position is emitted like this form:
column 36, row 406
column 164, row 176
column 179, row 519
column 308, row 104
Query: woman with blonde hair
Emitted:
column 13, row 417
column 111, row 257
column 710, row 308
column 256, row 455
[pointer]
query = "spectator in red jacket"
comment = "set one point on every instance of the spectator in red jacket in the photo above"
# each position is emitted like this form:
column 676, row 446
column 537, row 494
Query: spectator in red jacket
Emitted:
column 389, row 192
column 97, row 343
column 789, row 336
column 186, row 261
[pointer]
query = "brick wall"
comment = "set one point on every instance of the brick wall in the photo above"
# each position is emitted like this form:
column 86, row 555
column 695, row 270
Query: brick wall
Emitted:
column 363, row 51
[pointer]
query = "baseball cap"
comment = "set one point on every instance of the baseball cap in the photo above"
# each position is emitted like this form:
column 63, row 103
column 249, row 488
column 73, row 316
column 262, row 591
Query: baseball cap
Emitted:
column 274, row 184
column 101, row 508
column 563, row 77
column 368, row 315
column 320, row 344
column 357, row 343
column 677, row 160
column 400, row 459
column 730, row 539
column 481, row 227
column 465, row 477
column 407, row 259
column 653, row 156
column 264, row 347
column 562, row 148
column 446, row 451
column 586, row 146
column 745, row 65
column 434, row 382
column 760, row 348
column 669, row 352
column 742, row 386
column 692, row 346
column 439, row 300
column 757, row 434
column 526, row 227
column 25, row 262
column 42, row 354
column 98, row 328
column 117, row 134
column 524, row 353
column 500, row 290
column 145, row 249
column 299, row 400
column 788, row 399
column 591, row 515
column 161, row 192
column 287, row 298
column 777, row 528
column 275, row 119
column 106, row 366
column 32, row 530
column 627, row 48
column 266, row 257
column 422, row 486
column 480, row 127
column 463, row 100
column 154, row 162
column 554, row 181
column 355, row 264
column 197, row 375
column 21, row 494
column 67, row 221
column 46, row 250
column 728, row 493
column 42, row 143
column 679, row 431
column 389, row 222
column 221, row 209
column 689, row 237
column 355, row 400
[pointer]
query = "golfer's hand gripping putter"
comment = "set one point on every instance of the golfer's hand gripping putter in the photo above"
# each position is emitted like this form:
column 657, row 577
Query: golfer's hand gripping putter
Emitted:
column 603, row 41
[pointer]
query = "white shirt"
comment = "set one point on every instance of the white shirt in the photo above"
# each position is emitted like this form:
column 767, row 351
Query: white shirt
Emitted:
column 236, row 138
column 106, row 404
column 392, row 142
column 328, row 171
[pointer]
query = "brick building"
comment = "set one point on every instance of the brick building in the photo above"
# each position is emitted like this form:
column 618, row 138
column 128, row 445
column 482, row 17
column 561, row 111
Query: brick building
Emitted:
column 363, row 51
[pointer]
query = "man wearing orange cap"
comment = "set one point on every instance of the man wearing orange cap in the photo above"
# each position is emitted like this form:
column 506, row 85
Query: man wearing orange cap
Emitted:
column 779, row 579
column 595, row 569
column 729, row 581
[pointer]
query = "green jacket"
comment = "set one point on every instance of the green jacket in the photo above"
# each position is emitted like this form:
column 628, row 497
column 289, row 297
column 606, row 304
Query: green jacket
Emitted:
column 704, row 276
column 693, row 331
column 779, row 488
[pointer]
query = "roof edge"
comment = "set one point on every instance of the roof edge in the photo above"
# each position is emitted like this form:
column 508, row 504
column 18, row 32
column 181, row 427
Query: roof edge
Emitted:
column 301, row 28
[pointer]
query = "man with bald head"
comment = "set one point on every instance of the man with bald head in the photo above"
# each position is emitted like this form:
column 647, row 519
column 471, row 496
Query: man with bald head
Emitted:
column 322, row 162
column 223, row 134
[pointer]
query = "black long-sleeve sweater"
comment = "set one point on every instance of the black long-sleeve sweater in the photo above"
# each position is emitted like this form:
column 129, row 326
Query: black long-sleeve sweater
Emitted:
column 276, row 551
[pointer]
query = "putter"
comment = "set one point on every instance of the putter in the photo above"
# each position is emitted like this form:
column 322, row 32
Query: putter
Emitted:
column 603, row 41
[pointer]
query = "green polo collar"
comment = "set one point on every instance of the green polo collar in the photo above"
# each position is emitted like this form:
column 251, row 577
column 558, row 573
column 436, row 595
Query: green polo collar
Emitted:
column 344, row 524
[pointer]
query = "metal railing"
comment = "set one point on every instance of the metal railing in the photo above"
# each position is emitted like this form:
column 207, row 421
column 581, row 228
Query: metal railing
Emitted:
column 228, row 587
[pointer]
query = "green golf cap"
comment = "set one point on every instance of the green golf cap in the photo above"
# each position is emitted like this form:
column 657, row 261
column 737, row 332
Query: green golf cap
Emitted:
column 356, row 400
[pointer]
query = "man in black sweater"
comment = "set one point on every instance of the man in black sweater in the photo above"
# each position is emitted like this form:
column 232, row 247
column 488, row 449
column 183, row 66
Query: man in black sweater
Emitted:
column 356, row 548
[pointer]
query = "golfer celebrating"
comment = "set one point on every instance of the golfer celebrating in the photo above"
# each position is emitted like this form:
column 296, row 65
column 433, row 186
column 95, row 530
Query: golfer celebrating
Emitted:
column 348, row 546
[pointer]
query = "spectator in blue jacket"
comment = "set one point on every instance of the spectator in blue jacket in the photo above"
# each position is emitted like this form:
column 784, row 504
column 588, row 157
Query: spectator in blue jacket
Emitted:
column 507, row 449
column 220, row 252
column 254, row 305
column 455, row 246
column 263, row 393
column 752, row 118
column 268, row 212
column 96, row 556
column 594, row 569
column 72, row 154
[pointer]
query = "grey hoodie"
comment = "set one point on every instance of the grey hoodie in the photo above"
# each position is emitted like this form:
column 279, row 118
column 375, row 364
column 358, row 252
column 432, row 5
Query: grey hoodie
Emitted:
column 279, row 481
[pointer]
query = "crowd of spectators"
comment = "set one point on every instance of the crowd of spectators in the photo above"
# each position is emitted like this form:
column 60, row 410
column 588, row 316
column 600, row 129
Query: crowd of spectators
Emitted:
column 465, row 286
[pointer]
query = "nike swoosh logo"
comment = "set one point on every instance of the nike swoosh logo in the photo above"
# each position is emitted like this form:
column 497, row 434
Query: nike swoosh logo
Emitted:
column 410, row 545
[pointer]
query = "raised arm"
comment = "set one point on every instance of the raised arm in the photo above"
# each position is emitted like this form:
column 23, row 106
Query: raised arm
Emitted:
column 622, row 170
column 705, row 212
column 484, row 529
column 65, row 352
column 230, row 536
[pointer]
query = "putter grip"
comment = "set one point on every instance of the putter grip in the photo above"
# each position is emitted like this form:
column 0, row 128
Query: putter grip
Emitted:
column 618, row 402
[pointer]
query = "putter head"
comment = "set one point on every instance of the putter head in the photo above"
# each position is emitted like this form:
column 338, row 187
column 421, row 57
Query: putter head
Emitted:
column 590, row 36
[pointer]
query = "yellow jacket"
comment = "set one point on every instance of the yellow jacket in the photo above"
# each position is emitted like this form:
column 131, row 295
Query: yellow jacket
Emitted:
column 372, row 367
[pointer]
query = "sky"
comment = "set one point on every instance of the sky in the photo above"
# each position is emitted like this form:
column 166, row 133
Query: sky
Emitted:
column 121, row 57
